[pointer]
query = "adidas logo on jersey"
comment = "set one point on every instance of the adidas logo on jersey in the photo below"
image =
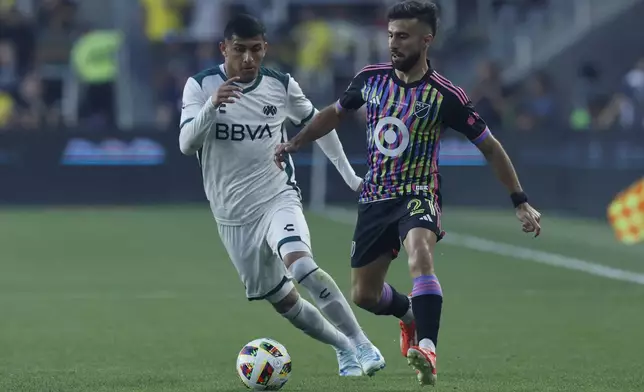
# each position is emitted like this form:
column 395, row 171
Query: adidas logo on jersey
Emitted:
column 426, row 218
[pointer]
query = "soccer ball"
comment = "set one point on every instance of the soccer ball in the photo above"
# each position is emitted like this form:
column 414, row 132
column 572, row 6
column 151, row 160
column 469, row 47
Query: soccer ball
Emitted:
column 264, row 365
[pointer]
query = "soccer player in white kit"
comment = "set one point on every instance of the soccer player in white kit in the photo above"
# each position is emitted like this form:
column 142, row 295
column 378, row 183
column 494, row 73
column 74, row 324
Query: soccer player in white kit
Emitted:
column 233, row 118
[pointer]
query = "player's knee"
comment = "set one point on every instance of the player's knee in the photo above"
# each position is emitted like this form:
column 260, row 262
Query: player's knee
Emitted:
column 290, row 258
column 287, row 303
column 301, row 265
column 363, row 292
column 290, row 252
column 363, row 297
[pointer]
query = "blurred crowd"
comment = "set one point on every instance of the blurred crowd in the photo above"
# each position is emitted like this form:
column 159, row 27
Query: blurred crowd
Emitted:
column 534, row 104
column 34, row 55
column 50, row 77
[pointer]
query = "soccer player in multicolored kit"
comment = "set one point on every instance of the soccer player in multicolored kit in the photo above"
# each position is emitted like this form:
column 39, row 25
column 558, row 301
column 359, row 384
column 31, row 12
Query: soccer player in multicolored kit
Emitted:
column 408, row 105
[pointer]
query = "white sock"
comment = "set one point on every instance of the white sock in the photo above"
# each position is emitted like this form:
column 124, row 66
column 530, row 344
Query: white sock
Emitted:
column 309, row 320
column 408, row 317
column 427, row 343
column 328, row 297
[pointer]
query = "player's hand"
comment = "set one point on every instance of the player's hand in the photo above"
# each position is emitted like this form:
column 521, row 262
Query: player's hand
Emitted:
column 281, row 152
column 530, row 219
column 227, row 92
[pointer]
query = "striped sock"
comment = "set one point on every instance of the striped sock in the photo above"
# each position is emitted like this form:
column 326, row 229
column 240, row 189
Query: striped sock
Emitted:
column 391, row 303
column 427, row 303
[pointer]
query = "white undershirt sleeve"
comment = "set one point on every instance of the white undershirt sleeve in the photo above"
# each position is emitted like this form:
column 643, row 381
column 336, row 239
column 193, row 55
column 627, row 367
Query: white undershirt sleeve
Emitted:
column 197, row 115
column 301, row 111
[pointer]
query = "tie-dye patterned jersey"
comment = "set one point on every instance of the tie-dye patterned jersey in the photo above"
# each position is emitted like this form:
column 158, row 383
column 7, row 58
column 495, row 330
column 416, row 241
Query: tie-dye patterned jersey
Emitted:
column 404, row 124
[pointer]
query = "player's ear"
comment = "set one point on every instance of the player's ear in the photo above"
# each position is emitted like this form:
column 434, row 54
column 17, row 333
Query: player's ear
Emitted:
column 222, row 48
column 429, row 38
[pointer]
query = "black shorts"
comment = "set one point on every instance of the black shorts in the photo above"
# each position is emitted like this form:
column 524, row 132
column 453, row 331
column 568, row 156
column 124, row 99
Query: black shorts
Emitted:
column 383, row 225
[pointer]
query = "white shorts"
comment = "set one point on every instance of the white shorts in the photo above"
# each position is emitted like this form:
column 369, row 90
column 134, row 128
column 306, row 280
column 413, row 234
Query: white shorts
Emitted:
column 256, row 249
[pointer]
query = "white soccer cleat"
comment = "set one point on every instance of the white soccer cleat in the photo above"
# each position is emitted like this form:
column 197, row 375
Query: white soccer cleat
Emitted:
column 370, row 358
column 348, row 363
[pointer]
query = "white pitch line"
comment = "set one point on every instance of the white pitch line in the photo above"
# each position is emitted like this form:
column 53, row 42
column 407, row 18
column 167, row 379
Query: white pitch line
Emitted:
column 519, row 252
column 160, row 295
column 554, row 259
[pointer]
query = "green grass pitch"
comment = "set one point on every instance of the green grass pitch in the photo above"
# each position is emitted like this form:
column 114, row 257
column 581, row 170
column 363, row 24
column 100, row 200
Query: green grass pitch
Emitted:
column 145, row 299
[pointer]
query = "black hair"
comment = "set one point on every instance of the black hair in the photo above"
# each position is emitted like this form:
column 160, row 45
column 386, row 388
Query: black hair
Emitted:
column 244, row 26
column 425, row 11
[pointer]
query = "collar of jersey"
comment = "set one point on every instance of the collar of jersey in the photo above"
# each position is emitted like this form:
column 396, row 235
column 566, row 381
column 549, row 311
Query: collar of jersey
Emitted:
column 417, row 83
column 252, row 86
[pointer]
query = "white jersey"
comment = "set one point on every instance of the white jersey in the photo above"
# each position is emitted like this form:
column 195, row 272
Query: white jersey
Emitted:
column 235, row 143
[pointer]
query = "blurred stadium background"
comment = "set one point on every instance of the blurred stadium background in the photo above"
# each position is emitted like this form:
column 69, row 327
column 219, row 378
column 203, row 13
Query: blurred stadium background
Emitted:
column 90, row 93
column 111, row 274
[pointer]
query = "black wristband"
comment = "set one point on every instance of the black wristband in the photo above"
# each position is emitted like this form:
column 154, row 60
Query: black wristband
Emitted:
column 519, row 198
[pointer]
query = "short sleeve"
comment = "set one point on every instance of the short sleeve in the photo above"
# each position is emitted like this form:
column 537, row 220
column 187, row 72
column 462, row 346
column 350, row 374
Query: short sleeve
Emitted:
column 299, row 108
column 352, row 99
column 459, row 113
column 192, row 101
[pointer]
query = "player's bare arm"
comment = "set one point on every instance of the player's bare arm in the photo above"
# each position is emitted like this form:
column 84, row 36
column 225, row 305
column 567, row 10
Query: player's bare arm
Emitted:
column 460, row 114
column 322, row 123
column 501, row 163
column 198, row 114
column 301, row 111
column 504, row 169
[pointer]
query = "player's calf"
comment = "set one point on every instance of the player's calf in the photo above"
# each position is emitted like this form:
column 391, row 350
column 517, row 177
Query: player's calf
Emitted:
column 306, row 317
column 325, row 292
column 334, row 306
column 370, row 291
column 309, row 320
column 387, row 301
column 383, row 302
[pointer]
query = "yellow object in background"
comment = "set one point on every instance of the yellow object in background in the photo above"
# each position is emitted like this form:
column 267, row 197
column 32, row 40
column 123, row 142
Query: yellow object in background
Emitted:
column 316, row 38
column 94, row 56
column 7, row 4
column 6, row 108
column 162, row 17
column 626, row 214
